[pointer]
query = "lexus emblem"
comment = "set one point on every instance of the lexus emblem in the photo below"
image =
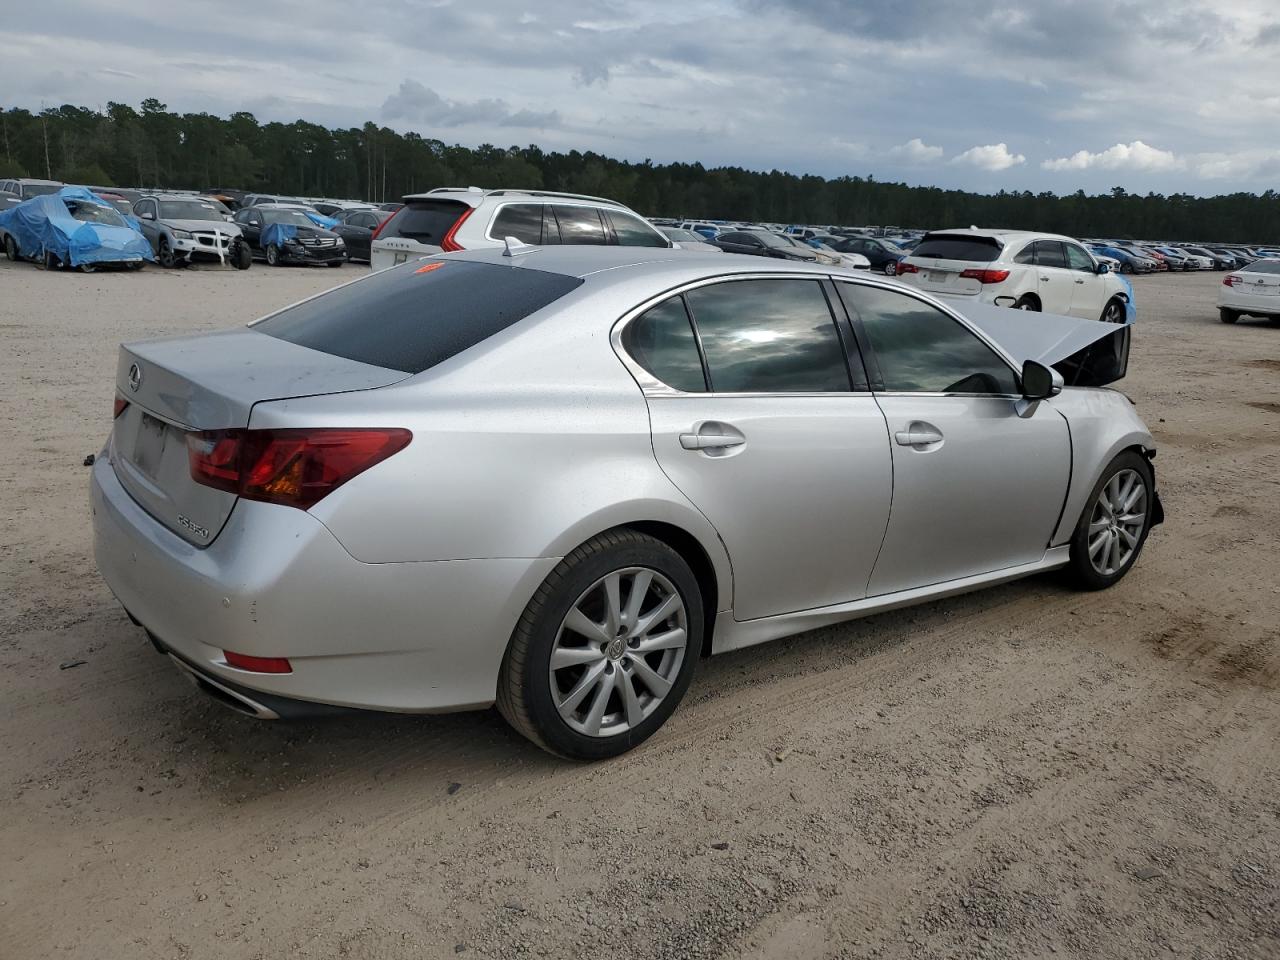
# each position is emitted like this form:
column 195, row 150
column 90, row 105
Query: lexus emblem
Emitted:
column 135, row 377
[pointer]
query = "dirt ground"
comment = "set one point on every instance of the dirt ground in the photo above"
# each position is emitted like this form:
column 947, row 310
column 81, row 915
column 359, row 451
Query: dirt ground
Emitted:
column 1023, row 772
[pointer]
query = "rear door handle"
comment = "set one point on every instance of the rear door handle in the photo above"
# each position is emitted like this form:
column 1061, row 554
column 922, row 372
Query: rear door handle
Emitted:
column 713, row 436
column 1080, row 280
column 918, row 434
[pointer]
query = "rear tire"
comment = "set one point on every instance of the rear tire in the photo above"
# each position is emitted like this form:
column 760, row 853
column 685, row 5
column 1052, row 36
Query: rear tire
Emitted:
column 539, row 701
column 10, row 248
column 1227, row 316
column 1027, row 302
column 890, row 268
column 1102, row 524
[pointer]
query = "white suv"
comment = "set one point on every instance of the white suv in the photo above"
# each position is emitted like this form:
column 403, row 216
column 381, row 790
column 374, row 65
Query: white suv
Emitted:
column 1014, row 268
column 468, row 218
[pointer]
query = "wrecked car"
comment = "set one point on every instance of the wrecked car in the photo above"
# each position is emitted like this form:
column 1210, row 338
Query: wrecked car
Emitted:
column 183, row 229
column 72, row 228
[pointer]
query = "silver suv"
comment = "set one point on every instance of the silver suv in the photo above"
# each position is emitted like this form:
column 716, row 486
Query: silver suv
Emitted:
column 468, row 218
column 13, row 192
column 183, row 228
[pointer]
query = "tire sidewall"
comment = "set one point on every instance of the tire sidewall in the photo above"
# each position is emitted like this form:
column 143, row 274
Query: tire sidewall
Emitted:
column 545, row 625
column 10, row 248
column 273, row 255
column 1081, row 567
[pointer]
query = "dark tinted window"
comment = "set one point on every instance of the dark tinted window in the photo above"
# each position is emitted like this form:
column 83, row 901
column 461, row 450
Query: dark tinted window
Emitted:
column 1263, row 266
column 922, row 350
column 414, row 316
column 580, row 225
column 520, row 220
column 1026, row 255
column 957, row 247
column 631, row 232
column 1049, row 254
column 747, row 238
column 40, row 189
column 662, row 342
column 426, row 221
column 769, row 336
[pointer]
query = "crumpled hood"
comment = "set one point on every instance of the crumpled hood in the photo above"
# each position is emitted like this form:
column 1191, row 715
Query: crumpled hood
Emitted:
column 1088, row 353
column 205, row 226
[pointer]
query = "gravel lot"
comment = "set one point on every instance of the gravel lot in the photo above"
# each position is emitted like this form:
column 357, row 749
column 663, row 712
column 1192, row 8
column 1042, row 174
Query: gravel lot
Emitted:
column 1017, row 773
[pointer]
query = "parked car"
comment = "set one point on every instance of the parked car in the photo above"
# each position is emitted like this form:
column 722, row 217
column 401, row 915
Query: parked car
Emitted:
column 14, row 191
column 1253, row 291
column 183, row 229
column 1215, row 261
column 1176, row 259
column 1130, row 261
column 757, row 244
column 72, row 228
column 469, row 218
column 688, row 240
column 882, row 255
column 282, row 234
column 687, row 455
column 853, row 261
column 1013, row 268
column 708, row 230
column 355, row 226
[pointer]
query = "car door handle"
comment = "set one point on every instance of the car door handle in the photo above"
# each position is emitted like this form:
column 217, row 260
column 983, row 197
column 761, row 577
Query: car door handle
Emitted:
column 714, row 437
column 918, row 434
column 1044, row 279
column 1080, row 280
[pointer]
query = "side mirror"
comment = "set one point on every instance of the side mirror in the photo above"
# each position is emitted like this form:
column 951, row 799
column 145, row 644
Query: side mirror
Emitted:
column 1103, row 268
column 254, row 223
column 1040, row 382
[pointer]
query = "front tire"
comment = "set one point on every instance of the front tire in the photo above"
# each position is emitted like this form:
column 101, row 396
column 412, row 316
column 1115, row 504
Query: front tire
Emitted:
column 10, row 248
column 165, row 254
column 1113, row 312
column 1114, row 524
column 241, row 256
column 1227, row 316
column 1126, row 268
column 606, row 648
column 273, row 256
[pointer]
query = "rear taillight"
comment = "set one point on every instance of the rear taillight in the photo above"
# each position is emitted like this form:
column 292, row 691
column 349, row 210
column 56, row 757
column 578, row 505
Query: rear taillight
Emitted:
column 1230, row 280
column 297, row 468
column 242, row 661
column 449, row 244
column 985, row 276
column 904, row 267
column 119, row 406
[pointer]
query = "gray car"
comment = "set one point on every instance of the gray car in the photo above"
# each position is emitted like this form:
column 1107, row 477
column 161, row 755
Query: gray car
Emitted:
column 556, row 478
column 183, row 228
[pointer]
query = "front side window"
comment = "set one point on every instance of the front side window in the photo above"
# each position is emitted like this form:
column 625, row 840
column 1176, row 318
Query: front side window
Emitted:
column 520, row 220
column 1078, row 259
column 769, row 336
column 632, row 232
column 662, row 341
column 1049, row 254
column 579, row 225
column 920, row 349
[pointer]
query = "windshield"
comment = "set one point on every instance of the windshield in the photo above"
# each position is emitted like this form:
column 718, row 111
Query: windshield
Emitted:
column 94, row 213
column 40, row 189
column 773, row 240
column 188, row 210
column 683, row 236
column 296, row 217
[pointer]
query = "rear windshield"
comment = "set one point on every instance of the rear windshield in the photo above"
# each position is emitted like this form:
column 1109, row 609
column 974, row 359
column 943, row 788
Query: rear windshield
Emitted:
column 40, row 189
column 1264, row 266
column 417, row 315
column 957, row 247
column 426, row 221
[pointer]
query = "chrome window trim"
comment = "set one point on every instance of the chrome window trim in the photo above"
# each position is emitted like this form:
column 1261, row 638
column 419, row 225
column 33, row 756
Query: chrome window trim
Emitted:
column 650, row 386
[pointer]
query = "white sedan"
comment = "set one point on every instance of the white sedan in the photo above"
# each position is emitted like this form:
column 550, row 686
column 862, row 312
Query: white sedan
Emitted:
column 1253, row 291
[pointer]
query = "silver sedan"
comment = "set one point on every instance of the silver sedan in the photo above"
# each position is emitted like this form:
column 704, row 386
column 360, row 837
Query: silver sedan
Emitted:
column 557, row 478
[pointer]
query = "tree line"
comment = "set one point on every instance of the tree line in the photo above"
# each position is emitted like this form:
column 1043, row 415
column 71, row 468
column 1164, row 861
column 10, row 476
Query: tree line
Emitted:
column 154, row 147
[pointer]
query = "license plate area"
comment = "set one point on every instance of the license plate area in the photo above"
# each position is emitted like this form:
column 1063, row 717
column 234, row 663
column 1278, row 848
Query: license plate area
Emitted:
column 149, row 444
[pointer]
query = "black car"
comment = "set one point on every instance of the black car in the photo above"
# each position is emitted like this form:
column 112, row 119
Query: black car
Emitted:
column 884, row 255
column 356, row 228
column 759, row 244
column 280, row 235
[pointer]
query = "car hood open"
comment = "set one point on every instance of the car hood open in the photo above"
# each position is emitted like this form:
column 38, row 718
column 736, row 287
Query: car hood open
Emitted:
column 1088, row 353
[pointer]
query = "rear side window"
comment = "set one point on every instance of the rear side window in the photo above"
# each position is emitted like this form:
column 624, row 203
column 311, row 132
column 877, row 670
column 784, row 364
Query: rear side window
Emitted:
column 415, row 316
column 580, row 225
column 426, row 221
column 520, row 220
column 769, row 336
column 662, row 341
column 1049, row 253
column 631, row 232
column 958, row 247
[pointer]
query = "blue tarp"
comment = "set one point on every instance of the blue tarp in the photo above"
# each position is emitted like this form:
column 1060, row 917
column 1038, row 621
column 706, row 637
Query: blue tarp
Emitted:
column 276, row 234
column 320, row 220
column 44, row 225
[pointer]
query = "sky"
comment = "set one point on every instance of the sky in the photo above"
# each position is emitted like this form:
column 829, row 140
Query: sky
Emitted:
column 1160, row 95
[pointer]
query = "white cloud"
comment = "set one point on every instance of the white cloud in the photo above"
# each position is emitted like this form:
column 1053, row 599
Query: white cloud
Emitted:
column 993, row 156
column 915, row 150
column 1242, row 165
column 1123, row 156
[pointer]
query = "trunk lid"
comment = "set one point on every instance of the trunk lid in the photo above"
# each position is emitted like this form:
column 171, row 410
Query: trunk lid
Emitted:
column 417, row 229
column 211, row 382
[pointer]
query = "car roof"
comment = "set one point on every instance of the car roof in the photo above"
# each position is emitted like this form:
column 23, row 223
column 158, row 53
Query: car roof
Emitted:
column 1007, row 236
column 475, row 196
column 199, row 198
column 36, row 180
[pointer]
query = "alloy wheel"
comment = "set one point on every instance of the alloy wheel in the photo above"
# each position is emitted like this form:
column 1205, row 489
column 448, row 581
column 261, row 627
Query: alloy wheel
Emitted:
column 618, row 652
column 1115, row 526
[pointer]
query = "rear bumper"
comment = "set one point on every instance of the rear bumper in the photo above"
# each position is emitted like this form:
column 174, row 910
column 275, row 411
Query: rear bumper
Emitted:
column 408, row 637
column 1231, row 299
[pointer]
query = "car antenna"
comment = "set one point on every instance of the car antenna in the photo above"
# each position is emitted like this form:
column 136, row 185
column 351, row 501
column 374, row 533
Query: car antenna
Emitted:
column 517, row 248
